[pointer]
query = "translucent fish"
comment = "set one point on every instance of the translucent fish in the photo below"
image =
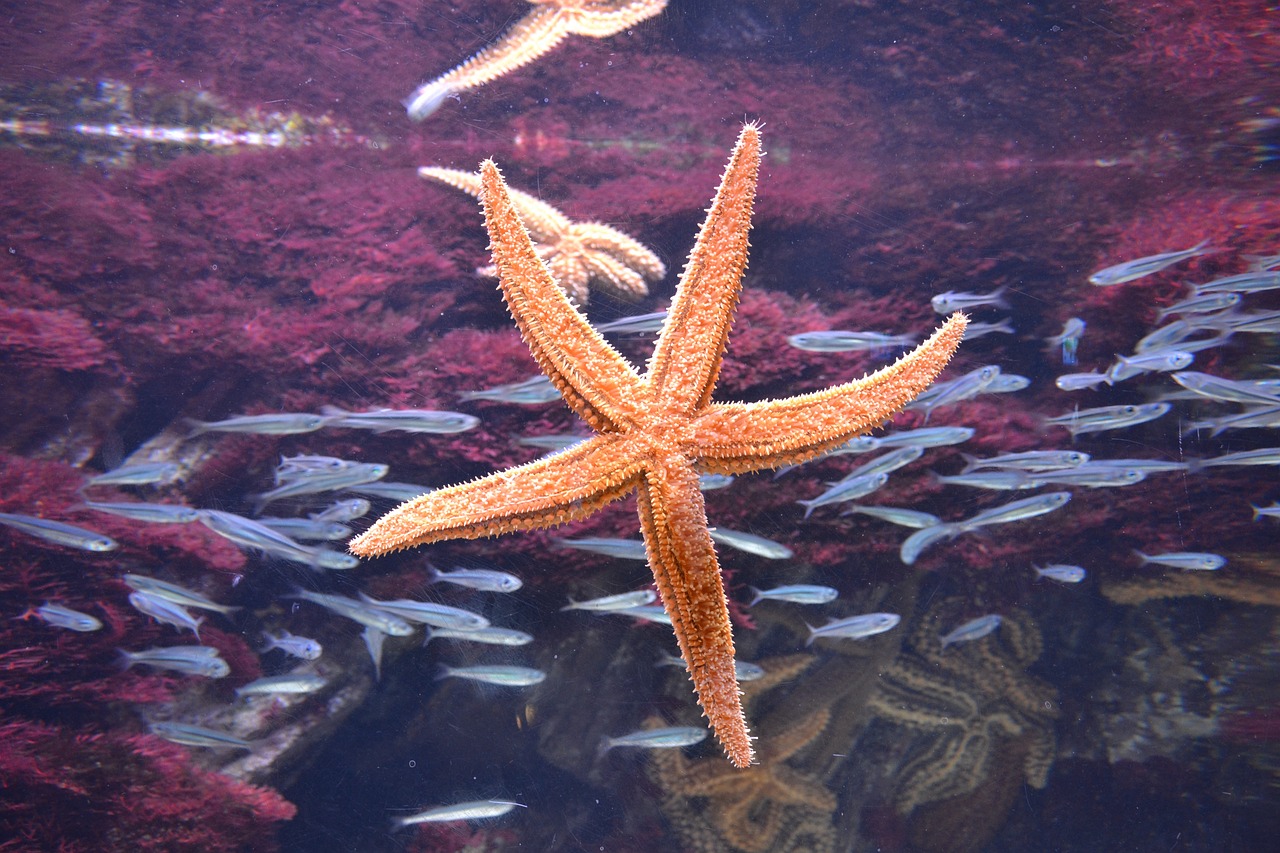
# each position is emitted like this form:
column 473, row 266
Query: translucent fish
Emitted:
column 1018, row 510
column 366, row 612
column 192, row 735
column 845, row 490
column 1109, row 417
column 896, row 515
column 671, row 737
column 175, row 593
column 401, row 420
column 751, row 544
column 534, row 391
column 854, row 627
column 1185, row 560
column 972, row 630
column 304, row 648
column 428, row 613
column 390, row 491
column 1247, row 282
column 188, row 660
column 1061, row 573
column 476, row 810
column 60, row 616
column 308, row 529
column 489, row 636
column 980, row 330
column 1130, row 270
column 621, row 601
column 148, row 512
column 1153, row 361
column 165, row 611
column 797, row 593
column 1031, row 460
column 282, row 684
column 952, row 301
column 645, row 613
column 920, row 541
column 1229, row 390
column 58, row 532
column 486, row 580
column 622, row 549
column 137, row 474
column 841, row 341
column 636, row 325
column 1261, row 456
column 1079, row 381
column 285, row 423
column 501, row 675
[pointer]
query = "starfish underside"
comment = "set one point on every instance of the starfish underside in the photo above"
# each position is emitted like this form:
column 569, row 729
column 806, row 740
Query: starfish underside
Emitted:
column 538, row 32
column 657, row 431
column 579, row 254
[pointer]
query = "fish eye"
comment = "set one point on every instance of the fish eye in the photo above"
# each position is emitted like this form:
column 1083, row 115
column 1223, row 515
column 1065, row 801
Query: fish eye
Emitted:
column 1129, row 410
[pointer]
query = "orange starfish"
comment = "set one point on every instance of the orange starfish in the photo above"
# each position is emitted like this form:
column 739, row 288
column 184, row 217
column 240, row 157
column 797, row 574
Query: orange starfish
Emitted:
column 546, row 25
column 656, row 432
column 577, row 253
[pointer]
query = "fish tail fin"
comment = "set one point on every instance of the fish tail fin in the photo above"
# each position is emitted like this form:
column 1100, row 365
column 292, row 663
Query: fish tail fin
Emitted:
column 195, row 427
column 759, row 596
column 606, row 744
column 429, row 634
column 998, row 299
column 443, row 671
column 1257, row 511
column 813, row 634
column 809, row 507
column 970, row 462
column 434, row 574
column 125, row 660
column 1141, row 556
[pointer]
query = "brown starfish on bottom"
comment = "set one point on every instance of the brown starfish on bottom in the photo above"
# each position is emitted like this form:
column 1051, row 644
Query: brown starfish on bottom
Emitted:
column 656, row 432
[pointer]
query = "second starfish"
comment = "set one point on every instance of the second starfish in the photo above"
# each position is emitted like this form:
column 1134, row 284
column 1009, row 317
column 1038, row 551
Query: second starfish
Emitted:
column 657, row 431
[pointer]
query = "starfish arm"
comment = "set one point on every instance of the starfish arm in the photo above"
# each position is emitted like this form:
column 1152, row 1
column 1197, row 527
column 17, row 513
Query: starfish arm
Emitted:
column 600, row 20
column 543, row 222
column 595, row 380
column 629, row 251
column 567, row 486
column 739, row 437
column 570, row 272
column 686, row 360
column 682, row 557
column 533, row 35
column 621, row 279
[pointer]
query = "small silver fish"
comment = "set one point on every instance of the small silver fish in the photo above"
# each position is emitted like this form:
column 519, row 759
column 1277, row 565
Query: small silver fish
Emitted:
column 429, row 613
column 645, row 613
column 59, row 533
column 178, row 594
column 1229, row 390
column 1261, row 456
column 137, row 474
column 1073, row 329
column 476, row 810
column 189, row 660
column 149, row 512
column 1061, row 573
column 1018, row 510
column 1130, row 270
column 1272, row 511
column 291, row 644
column 845, row 490
column 622, row 549
column 1191, row 561
column 670, row 737
column 308, row 529
column 854, row 627
column 485, row 580
column 923, row 539
column 711, row 482
column 391, row 491
column 286, row 423
column 1079, row 381
column 926, row 437
column 283, row 684
column 1255, row 281
column 191, row 735
column 621, row 601
column 952, row 301
column 1095, row 475
column 840, row 341
column 373, row 642
column 1200, row 303
column 896, row 515
column 751, row 544
column 501, row 675
column 975, row 629
column 887, row 463
column 163, row 610
column 313, row 483
column 367, row 612
column 490, row 636
column 60, row 616
column 999, row 480
column 340, row 512
column 638, row 324
column 1109, row 417
column 534, row 391
column 978, row 330
column 400, row 420
column 742, row 670
column 552, row 443
column 797, row 593
column 1030, row 460
column 1154, row 361
column 1007, row 383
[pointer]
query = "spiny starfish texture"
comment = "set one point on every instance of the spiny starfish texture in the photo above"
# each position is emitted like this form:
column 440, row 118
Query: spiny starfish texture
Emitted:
column 656, row 432
column 578, row 254
column 546, row 25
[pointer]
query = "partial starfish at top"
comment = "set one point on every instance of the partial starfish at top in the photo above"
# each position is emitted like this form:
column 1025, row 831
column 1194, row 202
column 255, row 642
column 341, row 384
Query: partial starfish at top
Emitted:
column 546, row 25
column 656, row 432
column 577, row 253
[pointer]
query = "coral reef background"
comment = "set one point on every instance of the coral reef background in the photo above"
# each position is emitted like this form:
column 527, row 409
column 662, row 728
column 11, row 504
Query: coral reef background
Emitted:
column 294, row 259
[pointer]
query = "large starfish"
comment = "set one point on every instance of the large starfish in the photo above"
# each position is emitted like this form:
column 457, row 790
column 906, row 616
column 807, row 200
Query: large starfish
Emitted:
column 577, row 253
column 546, row 25
column 657, row 431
